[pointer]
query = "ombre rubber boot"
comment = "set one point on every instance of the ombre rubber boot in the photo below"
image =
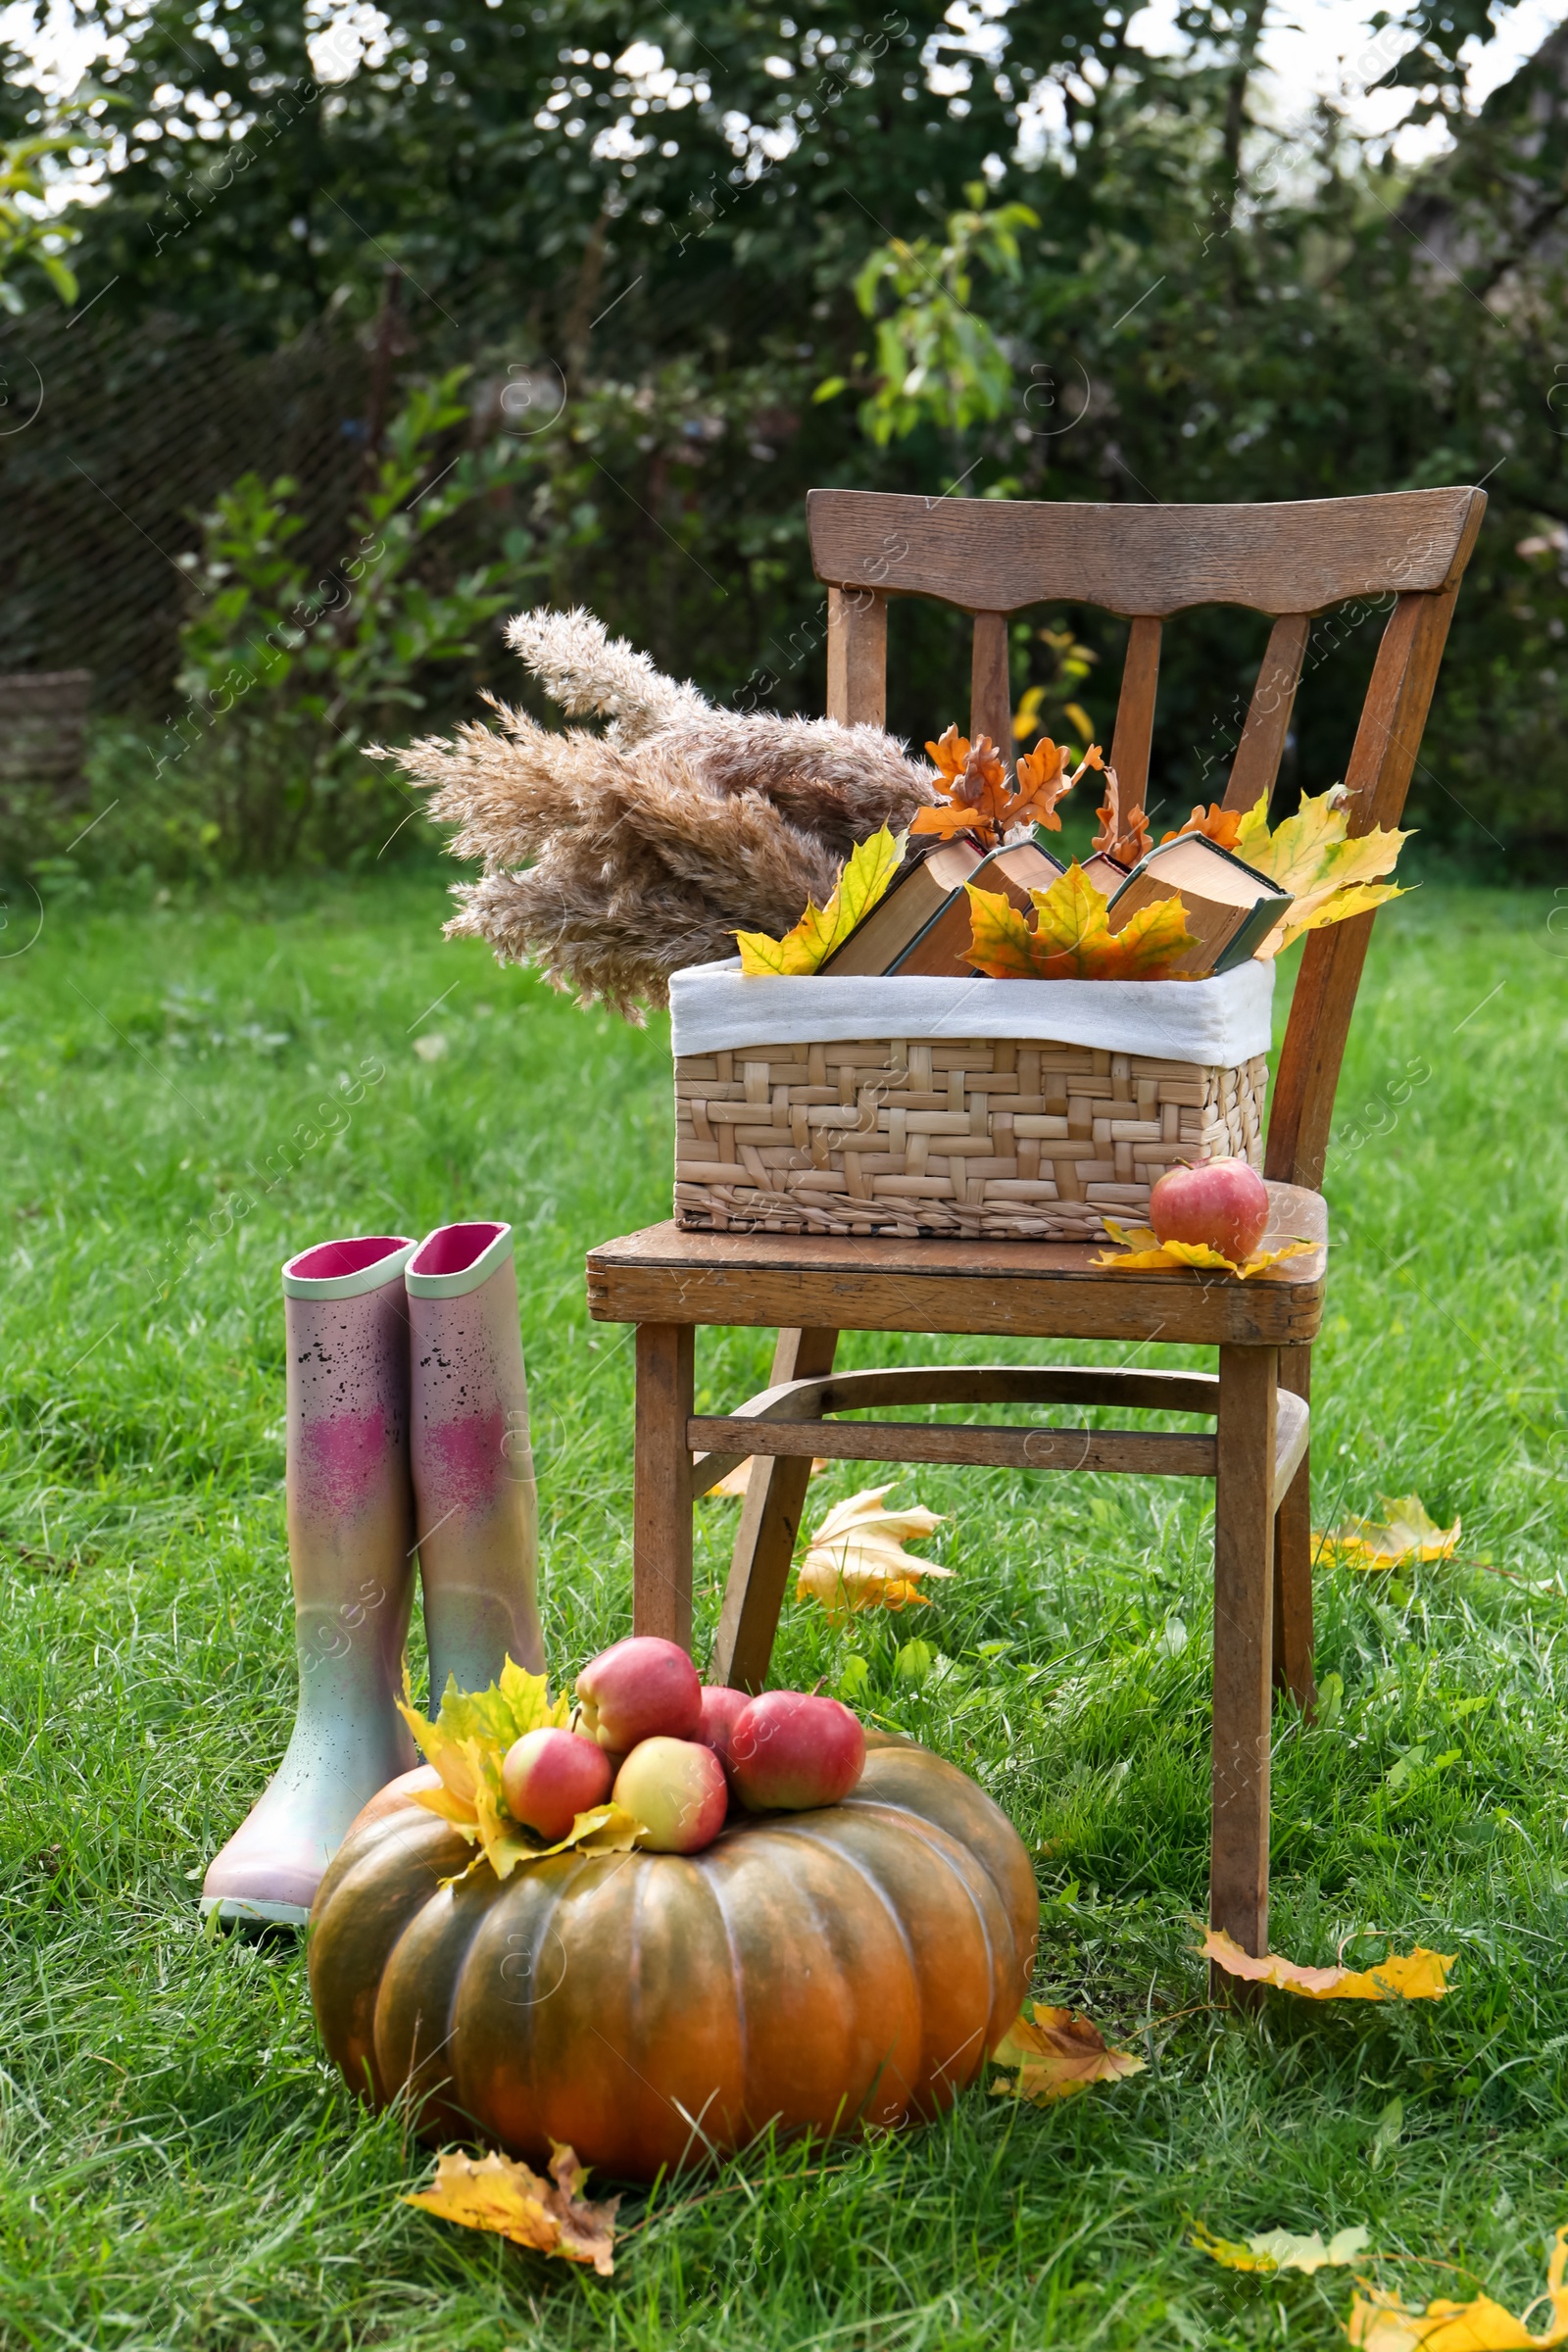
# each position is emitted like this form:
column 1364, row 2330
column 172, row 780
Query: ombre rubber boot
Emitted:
column 351, row 1554
column 477, row 1509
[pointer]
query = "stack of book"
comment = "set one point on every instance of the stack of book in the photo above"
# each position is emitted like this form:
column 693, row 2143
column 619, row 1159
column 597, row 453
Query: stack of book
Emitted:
column 920, row 927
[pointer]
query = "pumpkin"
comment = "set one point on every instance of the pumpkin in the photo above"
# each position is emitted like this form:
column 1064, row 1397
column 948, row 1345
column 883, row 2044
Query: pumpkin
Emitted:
column 819, row 1971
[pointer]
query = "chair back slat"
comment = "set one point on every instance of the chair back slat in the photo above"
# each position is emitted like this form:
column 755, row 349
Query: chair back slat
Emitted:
column 1257, row 764
column 989, row 688
column 857, row 657
column 1377, row 779
column 1154, row 560
column 1134, row 712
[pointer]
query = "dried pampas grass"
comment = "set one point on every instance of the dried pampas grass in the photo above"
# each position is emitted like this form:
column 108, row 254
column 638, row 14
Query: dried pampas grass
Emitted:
column 611, row 860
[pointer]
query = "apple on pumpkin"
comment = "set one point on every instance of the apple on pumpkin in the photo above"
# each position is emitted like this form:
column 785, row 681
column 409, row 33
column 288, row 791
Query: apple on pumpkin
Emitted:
column 549, row 1777
column 638, row 1689
column 722, row 1709
column 791, row 1750
column 676, row 1789
column 1221, row 1202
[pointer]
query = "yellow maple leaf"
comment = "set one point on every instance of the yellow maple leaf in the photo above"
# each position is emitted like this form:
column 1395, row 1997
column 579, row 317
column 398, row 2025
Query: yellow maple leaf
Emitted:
column 1070, row 921
column 1147, row 944
column 1407, row 1531
column 1418, row 1976
column 1072, row 938
column 862, row 880
column 1314, row 850
column 856, row 1559
column 1322, row 907
column 1145, row 1254
column 1279, row 2250
column 1000, row 942
column 467, row 1743
column 1057, row 2053
column 1380, row 2322
column 553, row 2217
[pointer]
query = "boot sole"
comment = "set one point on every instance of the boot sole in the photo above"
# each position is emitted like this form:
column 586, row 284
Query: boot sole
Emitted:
column 246, row 1911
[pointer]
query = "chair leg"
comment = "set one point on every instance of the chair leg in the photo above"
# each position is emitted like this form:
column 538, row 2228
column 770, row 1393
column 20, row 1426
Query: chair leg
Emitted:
column 1244, row 1596
column 662, row 1496
column 770, row 1521
column 1292, row 1560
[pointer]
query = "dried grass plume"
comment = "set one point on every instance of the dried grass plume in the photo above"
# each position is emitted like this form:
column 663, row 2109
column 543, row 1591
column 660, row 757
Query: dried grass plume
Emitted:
column 611, row 858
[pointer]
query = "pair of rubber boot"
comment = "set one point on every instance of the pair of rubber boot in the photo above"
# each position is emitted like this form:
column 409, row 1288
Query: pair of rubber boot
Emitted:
column 408, row 1432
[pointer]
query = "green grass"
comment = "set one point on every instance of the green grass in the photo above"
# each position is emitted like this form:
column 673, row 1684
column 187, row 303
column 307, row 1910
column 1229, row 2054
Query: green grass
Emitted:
column 179, row 2166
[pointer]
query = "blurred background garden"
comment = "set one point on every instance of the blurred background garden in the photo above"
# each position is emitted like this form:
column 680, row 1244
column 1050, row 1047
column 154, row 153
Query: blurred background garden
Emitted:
column 330, row 337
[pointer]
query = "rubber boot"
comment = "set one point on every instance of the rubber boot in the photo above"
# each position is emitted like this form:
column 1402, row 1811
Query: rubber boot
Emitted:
column 476, row 1502
column 351, row 1553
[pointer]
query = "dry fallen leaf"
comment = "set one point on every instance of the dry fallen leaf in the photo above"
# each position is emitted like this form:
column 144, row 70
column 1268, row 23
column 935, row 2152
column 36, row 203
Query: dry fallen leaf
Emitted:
column 1409, row 1532
column 862, row 880
column 492, row 2193
column 1418, row 1976
column 1145, row 1254
column 1278, row 2250
column 855, row 1560
column 1057, row 2053
column 1312, row 855
column 1380, row 2322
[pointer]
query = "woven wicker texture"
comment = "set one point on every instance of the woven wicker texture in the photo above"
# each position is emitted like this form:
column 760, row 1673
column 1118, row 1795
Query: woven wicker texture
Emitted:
column 987, row 1136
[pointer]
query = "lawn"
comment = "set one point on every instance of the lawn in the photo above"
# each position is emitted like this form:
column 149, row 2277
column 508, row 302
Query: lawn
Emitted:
column 180, row 2167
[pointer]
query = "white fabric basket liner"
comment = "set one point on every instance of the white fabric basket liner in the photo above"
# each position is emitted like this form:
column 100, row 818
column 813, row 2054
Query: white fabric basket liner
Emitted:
column 1221, row 1023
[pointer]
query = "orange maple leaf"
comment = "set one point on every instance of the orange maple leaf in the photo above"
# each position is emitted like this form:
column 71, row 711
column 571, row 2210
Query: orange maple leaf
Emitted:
column 1000, row 942
column 1216, row 824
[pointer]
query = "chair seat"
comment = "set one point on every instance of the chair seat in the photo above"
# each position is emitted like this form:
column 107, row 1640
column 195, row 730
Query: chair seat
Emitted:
column 1017, row 1290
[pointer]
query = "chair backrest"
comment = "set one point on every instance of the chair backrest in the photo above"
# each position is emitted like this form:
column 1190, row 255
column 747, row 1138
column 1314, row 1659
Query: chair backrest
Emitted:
column 992, row 558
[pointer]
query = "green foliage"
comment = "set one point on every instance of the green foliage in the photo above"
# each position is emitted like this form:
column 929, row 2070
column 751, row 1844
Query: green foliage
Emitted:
column 937, row 362
column 287, row 679
column 27, row 234
column 180, row 2168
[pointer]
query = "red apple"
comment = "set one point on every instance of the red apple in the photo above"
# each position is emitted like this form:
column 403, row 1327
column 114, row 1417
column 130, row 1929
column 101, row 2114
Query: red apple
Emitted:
column 1221, row 1202
column 722, row 1709
column 641, row 1689
column 676, row 1788
column 549, row 1777
column 791, row 1751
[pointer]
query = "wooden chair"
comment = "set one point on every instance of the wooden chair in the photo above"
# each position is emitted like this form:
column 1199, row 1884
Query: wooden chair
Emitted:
column 1145, row 561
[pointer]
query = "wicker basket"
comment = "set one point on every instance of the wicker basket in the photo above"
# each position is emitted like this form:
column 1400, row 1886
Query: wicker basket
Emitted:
column 1003, row 1138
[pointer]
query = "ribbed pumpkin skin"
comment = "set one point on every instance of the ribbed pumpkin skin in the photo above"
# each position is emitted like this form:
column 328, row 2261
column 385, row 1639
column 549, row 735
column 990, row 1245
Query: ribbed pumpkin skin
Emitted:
column 823, row 1970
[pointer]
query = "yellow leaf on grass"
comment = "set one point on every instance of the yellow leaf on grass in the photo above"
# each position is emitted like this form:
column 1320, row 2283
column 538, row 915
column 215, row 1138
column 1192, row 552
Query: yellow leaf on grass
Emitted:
column 1418, row 1976
column 1278, row 2250
column 1145, row 1254
column 553, row 2217
column 855, row 1560
column 862, row 880
column 1055, row 2054
column 1380, row 2322
column 1407, row 1531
